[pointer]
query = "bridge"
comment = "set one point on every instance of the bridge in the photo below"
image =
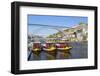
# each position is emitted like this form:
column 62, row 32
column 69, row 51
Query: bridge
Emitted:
column 58, row 28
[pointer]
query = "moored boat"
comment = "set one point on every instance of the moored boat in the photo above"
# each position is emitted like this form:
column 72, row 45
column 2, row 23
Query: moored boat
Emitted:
column 63, row 47
column 36, row 47
column 49, row 48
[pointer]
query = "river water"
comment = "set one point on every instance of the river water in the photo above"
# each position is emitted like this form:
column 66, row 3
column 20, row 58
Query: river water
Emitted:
column 79, row 50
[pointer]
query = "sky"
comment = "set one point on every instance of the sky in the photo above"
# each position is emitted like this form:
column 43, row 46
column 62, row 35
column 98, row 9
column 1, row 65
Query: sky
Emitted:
column 62, row 21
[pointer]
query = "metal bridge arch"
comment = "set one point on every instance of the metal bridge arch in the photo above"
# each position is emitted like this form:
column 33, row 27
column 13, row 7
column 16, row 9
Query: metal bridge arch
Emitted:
column 58, row 28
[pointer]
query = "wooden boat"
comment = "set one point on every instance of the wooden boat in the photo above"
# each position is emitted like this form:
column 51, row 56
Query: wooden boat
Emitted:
column 63, row 47
column 49, row 48
column 36, row 47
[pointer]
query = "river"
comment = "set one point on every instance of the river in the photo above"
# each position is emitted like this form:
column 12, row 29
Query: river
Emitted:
column 79, row 50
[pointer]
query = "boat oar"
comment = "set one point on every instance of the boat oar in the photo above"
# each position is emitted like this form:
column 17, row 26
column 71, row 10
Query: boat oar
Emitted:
column 30, row 55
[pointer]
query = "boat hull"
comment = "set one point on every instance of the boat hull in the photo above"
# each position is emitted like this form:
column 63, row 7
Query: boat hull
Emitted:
column 50, row 51
column 66, row 49
column 36, row 51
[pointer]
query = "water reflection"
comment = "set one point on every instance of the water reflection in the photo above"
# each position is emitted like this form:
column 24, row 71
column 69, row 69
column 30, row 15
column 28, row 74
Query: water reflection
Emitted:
column 50, row 56
column 63, row 55
column 43, row 55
